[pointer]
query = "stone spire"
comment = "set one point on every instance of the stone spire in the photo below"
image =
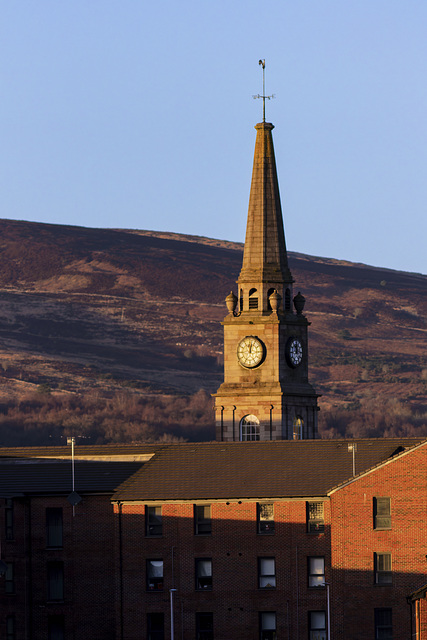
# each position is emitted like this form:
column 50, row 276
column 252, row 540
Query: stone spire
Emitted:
column 265, row 260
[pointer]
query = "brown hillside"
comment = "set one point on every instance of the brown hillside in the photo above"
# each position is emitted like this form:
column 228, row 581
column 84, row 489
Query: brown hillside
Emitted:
column 96, row 310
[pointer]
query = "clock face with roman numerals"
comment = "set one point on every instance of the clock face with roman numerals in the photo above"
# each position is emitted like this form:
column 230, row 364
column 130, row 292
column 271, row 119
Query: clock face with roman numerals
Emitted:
column 250, row 352
column 294, row 352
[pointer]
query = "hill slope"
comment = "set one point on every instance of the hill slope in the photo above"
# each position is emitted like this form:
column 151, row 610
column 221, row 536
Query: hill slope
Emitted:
column 99, row 311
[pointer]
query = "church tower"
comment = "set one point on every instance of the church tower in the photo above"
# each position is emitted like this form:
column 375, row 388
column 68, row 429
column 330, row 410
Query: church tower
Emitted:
column 265, row 394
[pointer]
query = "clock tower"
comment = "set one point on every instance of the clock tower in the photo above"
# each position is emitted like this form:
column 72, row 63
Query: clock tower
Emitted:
column 265, row 394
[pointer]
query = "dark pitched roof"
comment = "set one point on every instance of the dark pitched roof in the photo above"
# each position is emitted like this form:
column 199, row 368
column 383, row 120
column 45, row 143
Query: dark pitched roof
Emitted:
column 47, row 470
column 227, row 470
column 418, row 594
column 55, row 477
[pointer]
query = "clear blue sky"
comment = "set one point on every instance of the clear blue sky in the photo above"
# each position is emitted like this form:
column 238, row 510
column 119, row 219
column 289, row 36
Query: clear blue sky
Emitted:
column 139, row 114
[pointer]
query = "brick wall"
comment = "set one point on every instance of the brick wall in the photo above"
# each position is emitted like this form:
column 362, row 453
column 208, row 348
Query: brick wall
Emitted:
column 354, row 541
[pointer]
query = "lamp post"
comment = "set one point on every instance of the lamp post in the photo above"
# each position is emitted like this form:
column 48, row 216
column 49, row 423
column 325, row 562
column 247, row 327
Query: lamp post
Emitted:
column 171, row 591
column 327, row 585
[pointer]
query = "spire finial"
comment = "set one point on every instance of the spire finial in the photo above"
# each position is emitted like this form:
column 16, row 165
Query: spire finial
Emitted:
column 264, row 97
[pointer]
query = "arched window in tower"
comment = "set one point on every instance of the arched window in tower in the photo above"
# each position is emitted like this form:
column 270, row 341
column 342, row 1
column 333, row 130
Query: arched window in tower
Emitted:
column 249, row 428
column 269, row 292
column 241, row 300
column 298, row 425
column 253, row 299
column 287, row 299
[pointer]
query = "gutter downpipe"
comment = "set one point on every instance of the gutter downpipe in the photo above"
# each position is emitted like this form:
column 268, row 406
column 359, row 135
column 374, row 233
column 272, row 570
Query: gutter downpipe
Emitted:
column 30, row 572
column 121, row 570
column 297, row 589
column 271, row 421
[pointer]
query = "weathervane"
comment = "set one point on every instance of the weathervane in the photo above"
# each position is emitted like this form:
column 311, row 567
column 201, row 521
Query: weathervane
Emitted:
column 264, row 97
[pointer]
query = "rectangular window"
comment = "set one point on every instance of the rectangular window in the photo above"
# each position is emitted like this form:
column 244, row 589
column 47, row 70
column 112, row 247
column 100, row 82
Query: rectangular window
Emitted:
column 204, row 626
column 267, row 625
column 382, row 562
column 266, row 573
column 155, row 626
column 154, row 575
column 265, row 517
column 316, row 571
column 202, row 519
column 383, row 624
column 153, row 521
column 9, row 581
column 54, row 527
column 315, row 521
column 10, row 628
column 8, row 518
column 56, row 628
column 317, row 625
column 203, row 574
column 382, row 513
column 55, row 581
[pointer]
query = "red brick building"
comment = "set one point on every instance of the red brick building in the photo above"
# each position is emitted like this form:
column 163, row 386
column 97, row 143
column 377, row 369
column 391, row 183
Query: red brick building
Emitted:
column 252, row 536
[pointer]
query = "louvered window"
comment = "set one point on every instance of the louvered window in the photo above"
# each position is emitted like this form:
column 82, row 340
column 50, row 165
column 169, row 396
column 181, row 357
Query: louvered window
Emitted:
column 253, row 299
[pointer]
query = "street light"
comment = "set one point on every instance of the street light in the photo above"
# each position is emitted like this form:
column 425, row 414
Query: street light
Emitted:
column 327, row 585
column 171, row 591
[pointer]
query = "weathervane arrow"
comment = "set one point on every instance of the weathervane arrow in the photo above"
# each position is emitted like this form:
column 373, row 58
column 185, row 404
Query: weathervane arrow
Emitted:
column 264, row 97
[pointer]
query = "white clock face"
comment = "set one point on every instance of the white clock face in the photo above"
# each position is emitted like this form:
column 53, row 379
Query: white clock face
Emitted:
column 250, row 352
column 295, row 352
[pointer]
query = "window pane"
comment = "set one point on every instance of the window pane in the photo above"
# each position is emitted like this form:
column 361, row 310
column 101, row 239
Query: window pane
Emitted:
column 383, row 574
column 204, row 626
column 317, row 625
column 55, row 577
column 265, row 517
column 317, row 620
column 155, row 626
column 56, row 628
column 317, row 566
column 9, row 518
column 249, row 428
column 9, row 584
column 155, row 568
column 154, row 575
column 267, row 566
column 204, row 568
column 202, row 516
column 153, row 521
column 383, row 624
column 54, row 527
column 382, row 513
column 315, row 523
column 10, row 628
column 268, row 621
column 266, row 512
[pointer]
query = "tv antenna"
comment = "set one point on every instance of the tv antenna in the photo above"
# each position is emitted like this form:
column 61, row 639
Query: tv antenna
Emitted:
column 264, row 97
